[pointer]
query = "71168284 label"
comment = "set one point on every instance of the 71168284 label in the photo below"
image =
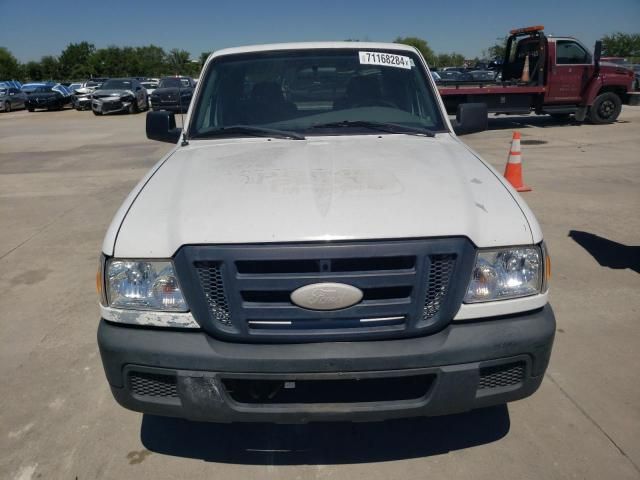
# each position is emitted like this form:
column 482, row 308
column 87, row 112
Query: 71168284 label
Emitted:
column 385, row 59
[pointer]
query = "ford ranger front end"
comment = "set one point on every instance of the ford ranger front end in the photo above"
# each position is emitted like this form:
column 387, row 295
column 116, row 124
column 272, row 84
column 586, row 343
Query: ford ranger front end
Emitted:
column 320, row 245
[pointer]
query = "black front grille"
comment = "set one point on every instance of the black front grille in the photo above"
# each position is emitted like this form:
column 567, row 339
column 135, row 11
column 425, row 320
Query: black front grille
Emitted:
column 145, row 384
column 213, row 288
column 440, row 271
column 111, row 106
column 499, row 376
column 244, row 292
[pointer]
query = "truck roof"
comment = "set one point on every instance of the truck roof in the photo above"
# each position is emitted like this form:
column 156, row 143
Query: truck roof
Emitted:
column 312, row 45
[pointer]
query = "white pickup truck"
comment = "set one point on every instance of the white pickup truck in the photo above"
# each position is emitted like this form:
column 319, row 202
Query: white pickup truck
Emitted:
column 320, row 245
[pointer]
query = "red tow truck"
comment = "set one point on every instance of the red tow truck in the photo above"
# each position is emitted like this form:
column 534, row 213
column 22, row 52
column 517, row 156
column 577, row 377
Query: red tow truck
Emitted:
column 557, row 76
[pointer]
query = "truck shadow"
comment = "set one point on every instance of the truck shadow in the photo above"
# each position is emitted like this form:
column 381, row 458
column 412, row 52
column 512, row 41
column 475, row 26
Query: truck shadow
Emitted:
column 607, row 252
column 323, row 443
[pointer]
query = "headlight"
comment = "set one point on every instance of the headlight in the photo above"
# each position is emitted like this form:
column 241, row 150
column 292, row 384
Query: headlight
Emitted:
column 505, row 273
column 143, row 285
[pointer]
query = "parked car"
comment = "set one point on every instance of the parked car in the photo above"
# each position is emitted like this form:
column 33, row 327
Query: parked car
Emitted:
column 10, row 83
column 119, row 95
column 621, row 61
column 33, row 86
column 99, row 81
column 173, row 93
column 322, row 251
column 454, row 76
column 483, row 75
column 81, row 96
column 11, row 98
column 150, row 86
column 49, row 97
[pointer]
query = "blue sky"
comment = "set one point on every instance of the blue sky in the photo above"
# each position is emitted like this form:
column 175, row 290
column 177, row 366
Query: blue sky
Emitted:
column 34, row 28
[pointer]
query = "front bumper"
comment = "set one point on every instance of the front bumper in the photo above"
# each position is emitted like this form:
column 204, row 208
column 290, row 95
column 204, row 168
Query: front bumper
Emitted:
column 83, row 102
column 110, row 106
column 465, row 366
column 43, row 104
column 169, row 106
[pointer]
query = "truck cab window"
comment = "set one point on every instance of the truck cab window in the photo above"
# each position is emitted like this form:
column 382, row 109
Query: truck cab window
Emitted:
column 300, row 90
column 571, row 53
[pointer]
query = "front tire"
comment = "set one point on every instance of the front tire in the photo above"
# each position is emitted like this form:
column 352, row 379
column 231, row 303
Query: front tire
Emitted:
column 133, row 108
column 7, row 107
column 605, row 109
column 97, row 114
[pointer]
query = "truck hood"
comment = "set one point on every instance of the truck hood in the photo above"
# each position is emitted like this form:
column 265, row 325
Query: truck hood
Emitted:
column 259, row 190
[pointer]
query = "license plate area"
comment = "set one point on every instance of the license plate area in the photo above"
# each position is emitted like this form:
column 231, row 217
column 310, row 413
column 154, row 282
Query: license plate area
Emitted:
column 328, row 390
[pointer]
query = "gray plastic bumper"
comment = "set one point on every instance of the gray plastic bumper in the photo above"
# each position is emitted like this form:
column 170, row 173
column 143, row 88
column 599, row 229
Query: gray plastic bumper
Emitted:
column 466, row 365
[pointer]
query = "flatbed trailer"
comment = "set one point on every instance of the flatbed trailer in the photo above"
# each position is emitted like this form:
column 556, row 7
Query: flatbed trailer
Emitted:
column 549, row 75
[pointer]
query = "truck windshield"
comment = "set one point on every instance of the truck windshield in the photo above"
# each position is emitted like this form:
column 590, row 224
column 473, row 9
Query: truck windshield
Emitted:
column 317, row 92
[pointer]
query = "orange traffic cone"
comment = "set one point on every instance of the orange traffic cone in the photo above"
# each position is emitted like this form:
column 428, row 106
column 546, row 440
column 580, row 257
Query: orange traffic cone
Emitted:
column 513, row 171
column 525, row 70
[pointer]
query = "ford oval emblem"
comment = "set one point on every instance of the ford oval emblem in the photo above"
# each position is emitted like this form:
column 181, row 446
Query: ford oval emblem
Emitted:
column 326, row 296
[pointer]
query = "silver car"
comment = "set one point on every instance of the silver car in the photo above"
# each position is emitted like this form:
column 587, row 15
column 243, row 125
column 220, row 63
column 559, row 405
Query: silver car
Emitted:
column 82, row 93
column 119, row 95
column 11, row 98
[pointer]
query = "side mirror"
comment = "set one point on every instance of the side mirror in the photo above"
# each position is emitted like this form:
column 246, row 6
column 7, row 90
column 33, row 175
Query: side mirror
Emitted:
column 161, row 126
column 597, row 53
column 471, row 118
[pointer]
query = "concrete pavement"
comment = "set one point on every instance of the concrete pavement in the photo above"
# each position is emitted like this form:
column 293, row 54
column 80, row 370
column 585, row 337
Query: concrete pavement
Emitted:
column 64, row 174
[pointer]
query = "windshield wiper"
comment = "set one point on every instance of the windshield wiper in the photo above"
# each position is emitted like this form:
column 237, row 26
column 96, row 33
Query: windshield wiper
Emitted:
column 250, row 130
column 380, row 126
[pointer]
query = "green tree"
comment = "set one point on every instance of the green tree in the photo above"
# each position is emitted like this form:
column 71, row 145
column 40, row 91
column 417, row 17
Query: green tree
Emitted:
column 74, row 61
column 620, row 44
column 203, row 57
column 443, row 60
column 178, row 62
column 10, row 68
column 449, row 60
column 33, row 71
column 151, row 60
column 50, row 68
column 422, row 46
column 131, row 66
column 108, row 62
column 497, row 50
column 457, row 59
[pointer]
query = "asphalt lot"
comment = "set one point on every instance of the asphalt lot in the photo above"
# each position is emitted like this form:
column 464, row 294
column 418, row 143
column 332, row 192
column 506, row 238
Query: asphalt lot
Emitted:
column 64, row 174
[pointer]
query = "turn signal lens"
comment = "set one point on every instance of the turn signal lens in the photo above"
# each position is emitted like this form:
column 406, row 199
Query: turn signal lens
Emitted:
column 100, row 281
